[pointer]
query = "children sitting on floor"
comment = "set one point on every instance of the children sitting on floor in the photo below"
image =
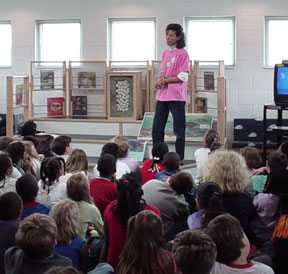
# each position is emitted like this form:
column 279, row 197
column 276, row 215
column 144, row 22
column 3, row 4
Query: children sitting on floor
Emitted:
column 233, row 248
column 27, row 189
column 171, row 164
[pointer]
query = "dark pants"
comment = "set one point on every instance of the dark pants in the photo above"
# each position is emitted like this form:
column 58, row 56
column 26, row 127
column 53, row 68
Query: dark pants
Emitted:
column 177, row 109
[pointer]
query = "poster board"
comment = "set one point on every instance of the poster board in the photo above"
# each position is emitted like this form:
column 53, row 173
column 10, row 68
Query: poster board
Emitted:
column 137, row 149
column 196, row 126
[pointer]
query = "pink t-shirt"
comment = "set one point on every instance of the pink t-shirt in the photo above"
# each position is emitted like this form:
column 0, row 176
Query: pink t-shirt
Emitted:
column 117, row 236
column 173, row 62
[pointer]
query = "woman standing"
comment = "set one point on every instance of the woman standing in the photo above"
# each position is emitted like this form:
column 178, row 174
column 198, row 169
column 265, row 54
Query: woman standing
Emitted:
column 171, row 88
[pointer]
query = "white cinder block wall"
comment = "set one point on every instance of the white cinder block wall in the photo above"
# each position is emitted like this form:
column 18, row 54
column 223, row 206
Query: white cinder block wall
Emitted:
column 249, row 83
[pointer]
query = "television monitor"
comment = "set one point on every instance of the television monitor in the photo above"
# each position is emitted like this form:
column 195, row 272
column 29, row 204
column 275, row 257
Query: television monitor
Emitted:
column 281, row 84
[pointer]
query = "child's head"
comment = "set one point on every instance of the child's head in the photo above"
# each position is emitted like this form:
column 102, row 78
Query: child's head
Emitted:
column 231, row 241
column 30, row 149
column 10, row 206
column 110, row 148
column 36, row 236
column 129, row 194
column 181, row 182
column 62, row 145
column 211, row 137
column 144, row 244
column 251, row 156
column 171, row 161
column 227, row 169
column 123, row 146
column 51, row 169
column 5, row 165
column 63, row 270
column 27, row 188
column 66, row 215
column 16, row 151
column 209, row 198
column 194, row 250
column 159, row 150
column 77, row 161
column 106, row 165
column 4, row 142
column 78, row 188
column 276, row 160
column 284, row 148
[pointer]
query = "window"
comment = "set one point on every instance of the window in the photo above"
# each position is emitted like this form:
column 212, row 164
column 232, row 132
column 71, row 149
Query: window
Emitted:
column 6, row 44
column 132, row 39
column 211, row 39
column 276, row 40
column 58, row 40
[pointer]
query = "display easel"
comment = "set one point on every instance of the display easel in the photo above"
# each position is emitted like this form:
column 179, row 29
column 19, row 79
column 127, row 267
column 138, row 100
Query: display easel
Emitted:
column 42, row 89
column 143, row 67
column 155, row 72
column 87, row 82
column 17, row 103
column 219, row 88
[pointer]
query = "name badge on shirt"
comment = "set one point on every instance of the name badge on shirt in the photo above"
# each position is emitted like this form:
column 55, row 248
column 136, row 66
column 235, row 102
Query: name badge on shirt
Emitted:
column 173, row 60
column 168, row 64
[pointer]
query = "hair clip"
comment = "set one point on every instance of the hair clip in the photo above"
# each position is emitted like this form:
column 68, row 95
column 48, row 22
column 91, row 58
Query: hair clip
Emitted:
column 156, row 158
column 126, row 182
column 216, row 194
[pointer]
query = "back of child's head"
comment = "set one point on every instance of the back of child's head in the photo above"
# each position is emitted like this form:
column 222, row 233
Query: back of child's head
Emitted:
column 51, row 169
column 5, row 165
column 144, row 244
column 60, row 144
column 77, row 161
column 171, row 161
column 194, row 252
column 227, row 234
column 212, row 139
column 66, row 215
column 27, row 188
column 284, row 148
column 110, row 148
column 16, row 151
column 181, row 182
column 129, row 194
column 251, row 156
column 277, row 160
column 4, row 142
column 36, row 236
column 159, row 150
column 10, row 206
column 123, row 145
column 78, row 188
column 63, row 270
column 106, row 165
column 209, row 198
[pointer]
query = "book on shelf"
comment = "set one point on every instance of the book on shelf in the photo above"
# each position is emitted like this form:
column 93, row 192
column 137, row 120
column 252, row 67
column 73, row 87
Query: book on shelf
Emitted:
column 86, row 79
column 19, row 95
column 79, row 105
column 55, row 106
column 209, row 80
column 201, row 105
column 46, row 79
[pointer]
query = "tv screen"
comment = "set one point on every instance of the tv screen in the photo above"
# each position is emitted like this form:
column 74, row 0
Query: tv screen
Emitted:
column 281, row 84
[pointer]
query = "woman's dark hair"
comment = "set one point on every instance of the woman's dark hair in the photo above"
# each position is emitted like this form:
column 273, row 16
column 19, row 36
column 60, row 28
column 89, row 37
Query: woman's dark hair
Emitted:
column 16, row 151
column 5, row 164
column 144, row 251
column 50, row 169
column 179, row 32
column 110, row 148
column 158, row 152
column 277, row 180
column 209, row 198
column 129, row 201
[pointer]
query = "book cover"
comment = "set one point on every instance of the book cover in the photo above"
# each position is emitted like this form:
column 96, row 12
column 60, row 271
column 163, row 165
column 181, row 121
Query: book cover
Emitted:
column 201, row 105
column 55, row 106
column 46, row 79
column 19, row 95
column 209, row 80
column 79, row 105
column 137, row 150
column 86, row 79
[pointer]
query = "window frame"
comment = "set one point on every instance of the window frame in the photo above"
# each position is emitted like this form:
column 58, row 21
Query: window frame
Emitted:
column 215, row 18
column 38, row 24
column 8, row 22
column 109, row 37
